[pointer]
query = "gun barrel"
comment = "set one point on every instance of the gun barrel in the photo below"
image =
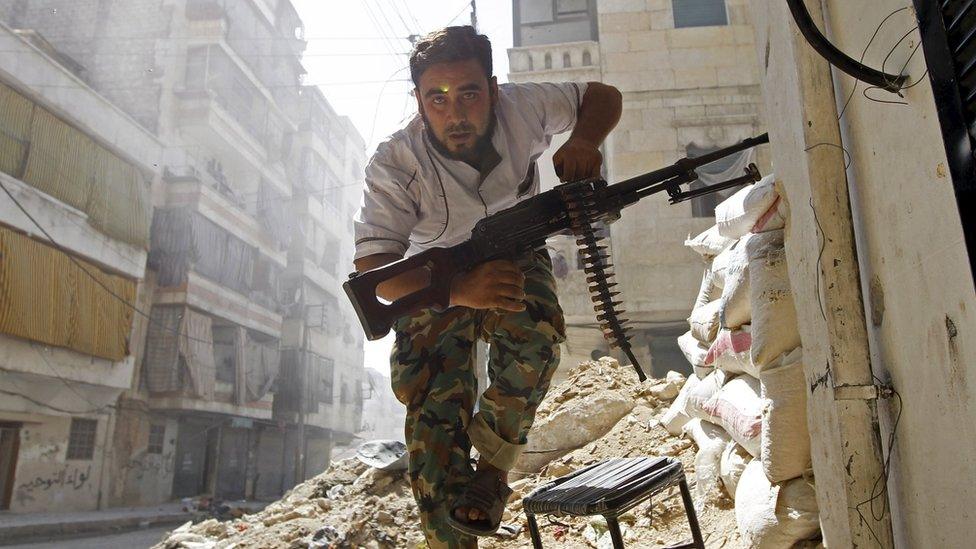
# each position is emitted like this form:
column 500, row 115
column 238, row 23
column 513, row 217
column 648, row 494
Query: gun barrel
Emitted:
column 682, row 167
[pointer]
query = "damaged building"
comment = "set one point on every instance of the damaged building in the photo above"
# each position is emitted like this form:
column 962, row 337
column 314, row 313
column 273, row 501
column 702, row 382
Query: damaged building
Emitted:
column 222, row 362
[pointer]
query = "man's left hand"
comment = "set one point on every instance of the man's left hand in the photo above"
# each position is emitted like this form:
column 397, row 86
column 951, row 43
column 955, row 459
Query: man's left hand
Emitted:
column 577, row 159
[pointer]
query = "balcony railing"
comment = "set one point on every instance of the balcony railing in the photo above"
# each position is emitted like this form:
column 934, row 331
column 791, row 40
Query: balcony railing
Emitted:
column 560, row 57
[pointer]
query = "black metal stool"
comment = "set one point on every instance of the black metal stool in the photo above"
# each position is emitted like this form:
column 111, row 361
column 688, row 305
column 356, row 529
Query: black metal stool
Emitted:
column 611, row 488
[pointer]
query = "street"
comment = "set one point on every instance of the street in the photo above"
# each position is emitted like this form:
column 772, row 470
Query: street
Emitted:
column 138, row 539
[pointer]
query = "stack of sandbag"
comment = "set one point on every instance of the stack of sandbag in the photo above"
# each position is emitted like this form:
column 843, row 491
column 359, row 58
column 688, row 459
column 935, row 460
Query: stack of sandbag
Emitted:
column 749, row 385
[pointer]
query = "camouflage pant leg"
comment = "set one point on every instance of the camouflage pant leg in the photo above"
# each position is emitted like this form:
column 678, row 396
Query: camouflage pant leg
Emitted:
column 432, row 374
column 523, row 355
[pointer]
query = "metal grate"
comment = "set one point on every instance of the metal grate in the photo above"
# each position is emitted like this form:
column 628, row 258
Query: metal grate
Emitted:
column 960, row 23
column 81, row 439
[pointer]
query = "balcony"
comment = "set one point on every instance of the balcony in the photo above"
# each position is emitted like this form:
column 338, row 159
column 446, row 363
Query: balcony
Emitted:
column 222, row 368
column 200, row 192
column 570, row 58
column 203, row 265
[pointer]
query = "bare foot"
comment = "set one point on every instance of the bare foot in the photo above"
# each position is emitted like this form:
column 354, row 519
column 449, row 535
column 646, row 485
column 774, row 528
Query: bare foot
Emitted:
column 471, row 514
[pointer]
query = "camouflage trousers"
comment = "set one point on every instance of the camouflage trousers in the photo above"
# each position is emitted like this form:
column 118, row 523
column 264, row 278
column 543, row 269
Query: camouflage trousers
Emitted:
column 433, row 374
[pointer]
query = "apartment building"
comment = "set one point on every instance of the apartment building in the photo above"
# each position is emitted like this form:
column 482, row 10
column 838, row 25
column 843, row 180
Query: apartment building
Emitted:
column 240, row 293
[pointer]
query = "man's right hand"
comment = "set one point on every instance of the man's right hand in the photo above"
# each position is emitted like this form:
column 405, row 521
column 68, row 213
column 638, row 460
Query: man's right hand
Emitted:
column 491, row 285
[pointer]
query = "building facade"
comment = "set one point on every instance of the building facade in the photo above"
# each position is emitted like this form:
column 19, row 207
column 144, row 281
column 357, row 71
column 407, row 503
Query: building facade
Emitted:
column 688, row 74
column 239, row 290
column 67, row 345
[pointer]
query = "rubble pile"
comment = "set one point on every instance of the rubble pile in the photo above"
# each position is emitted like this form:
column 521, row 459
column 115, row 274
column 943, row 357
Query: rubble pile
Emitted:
column 353, row 505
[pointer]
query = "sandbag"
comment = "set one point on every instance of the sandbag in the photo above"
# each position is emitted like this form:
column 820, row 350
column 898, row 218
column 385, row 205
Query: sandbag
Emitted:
column 774, row 324
column 708, row 291
column 676, row 415
column 774, row 218
column 730, row 352
column 693, row 350
column 736, row 215
column 785, row 442
column 775, row 516
column 711, row 441
column 704, row 322
column 737, row 407
column 733, row 463
column 702, row 393
column 736, row 308
column 709, row 243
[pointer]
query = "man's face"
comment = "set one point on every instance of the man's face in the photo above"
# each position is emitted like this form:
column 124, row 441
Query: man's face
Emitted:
column 456, row 101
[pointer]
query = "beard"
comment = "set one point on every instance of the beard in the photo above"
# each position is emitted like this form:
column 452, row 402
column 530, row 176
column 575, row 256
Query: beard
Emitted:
column 475, row 152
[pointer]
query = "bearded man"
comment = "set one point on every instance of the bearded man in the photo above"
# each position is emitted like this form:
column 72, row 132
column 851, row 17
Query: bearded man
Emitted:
column 471, row 152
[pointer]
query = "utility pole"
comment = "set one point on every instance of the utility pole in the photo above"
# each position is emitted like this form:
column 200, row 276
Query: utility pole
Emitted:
column 474, row 14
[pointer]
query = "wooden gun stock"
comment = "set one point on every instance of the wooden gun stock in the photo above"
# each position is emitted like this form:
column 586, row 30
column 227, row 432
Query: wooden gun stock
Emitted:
column 376, row 316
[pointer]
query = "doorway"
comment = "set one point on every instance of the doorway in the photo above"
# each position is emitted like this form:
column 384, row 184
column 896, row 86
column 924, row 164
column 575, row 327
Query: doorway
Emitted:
column 9, row 447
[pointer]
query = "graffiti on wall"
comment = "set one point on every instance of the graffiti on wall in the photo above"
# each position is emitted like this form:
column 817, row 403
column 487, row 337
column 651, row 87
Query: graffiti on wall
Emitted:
column 67, row 477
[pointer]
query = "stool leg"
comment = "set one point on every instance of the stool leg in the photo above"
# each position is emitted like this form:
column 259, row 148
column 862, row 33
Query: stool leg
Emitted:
column 534, row 531
column 614, row 527
column 692, row 515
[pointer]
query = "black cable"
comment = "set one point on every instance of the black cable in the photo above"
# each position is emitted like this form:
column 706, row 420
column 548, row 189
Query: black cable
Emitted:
column 823, row 244
column 863, row 53
column 836, row 57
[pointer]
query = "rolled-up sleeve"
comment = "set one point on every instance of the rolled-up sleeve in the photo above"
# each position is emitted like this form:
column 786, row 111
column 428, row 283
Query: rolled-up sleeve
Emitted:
column 387, row 213
column 555, row 104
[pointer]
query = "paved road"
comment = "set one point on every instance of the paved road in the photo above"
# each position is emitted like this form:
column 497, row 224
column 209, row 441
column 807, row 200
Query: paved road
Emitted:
column 139, row 539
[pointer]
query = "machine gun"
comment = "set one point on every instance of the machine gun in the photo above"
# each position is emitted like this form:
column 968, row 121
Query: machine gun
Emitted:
column 570, row 207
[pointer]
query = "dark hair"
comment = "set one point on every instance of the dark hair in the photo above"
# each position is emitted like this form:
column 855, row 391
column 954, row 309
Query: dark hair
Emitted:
column 447, row 45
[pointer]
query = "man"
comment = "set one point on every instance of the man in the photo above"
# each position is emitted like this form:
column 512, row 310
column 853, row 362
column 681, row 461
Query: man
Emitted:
column 471, row 152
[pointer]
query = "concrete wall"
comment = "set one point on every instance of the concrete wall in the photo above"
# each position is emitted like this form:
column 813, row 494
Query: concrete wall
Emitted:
column 916, row 283
column 915, row 279
column 45, row 480
column 140, row 477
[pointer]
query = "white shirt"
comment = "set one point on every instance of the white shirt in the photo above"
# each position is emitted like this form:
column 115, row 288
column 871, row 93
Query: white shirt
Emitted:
column 415, row 198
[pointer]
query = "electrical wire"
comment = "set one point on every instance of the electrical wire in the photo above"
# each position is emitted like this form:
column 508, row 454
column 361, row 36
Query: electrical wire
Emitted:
column 863, row 53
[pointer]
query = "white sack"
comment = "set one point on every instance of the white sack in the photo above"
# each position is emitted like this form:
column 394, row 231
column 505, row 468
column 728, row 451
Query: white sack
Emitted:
column 693, row 350
column 709, row 243
column 734, row 460
column 774, row 516
column 711, row 440
column 737, row 407
column 774, row 218
column 708, row 291
column 736, row 308
column 737, row 214
column 676, row 415
column 702, row 393
column 774, row 325
column 785, row 444
column 704, row 322
column 730, row 352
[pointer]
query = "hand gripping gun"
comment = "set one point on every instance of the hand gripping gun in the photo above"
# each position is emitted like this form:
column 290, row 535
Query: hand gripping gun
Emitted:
column 569, row 207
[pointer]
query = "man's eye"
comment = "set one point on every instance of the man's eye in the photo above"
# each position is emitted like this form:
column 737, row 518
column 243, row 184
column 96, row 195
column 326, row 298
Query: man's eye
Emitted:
column 470, row 95
column 437, row 100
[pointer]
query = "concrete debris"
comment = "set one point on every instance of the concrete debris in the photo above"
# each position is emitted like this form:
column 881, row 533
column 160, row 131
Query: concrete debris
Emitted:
column 352, row 505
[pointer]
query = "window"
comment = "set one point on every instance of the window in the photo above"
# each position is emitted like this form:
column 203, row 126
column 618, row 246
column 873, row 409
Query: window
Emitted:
column 157, row 434
column 326, row 372
column 567, row 63
column 570, row 7
column 699, row 13
column 81, row 439
column 723, row 169
column 225, row 353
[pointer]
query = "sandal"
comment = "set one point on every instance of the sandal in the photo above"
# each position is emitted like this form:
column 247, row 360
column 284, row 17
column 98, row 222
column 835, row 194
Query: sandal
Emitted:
column 487, row 493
